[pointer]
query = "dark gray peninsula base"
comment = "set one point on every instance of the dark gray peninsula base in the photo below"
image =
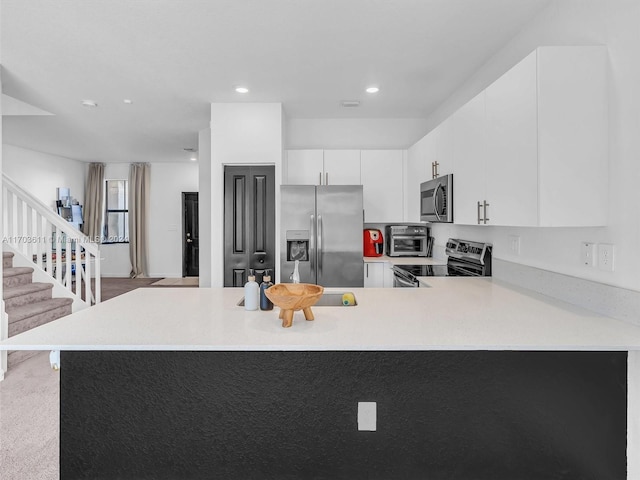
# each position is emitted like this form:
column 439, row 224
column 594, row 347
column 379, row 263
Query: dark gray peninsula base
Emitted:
column 469, row 415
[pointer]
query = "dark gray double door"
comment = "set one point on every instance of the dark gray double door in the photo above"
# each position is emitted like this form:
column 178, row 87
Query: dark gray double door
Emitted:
column 249, row 223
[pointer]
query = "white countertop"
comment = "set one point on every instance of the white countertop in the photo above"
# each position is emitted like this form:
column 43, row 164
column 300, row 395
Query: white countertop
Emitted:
column 456, row 313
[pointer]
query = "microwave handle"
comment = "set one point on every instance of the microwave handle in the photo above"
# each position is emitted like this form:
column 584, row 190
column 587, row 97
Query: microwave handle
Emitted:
column 435, row 200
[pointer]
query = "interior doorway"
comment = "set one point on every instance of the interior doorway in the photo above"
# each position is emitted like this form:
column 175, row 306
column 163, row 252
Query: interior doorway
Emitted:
column 249, row 223
column 190, row 237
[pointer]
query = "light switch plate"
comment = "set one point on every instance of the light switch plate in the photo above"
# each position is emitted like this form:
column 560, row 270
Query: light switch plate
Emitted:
column 367, row 416
column 588, row 254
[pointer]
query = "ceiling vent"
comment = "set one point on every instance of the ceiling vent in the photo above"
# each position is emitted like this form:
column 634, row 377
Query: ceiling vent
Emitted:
column 350, row 103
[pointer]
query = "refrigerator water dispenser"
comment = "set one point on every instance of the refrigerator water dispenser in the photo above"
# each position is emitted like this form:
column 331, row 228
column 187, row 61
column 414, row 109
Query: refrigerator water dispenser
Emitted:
column 297, row 245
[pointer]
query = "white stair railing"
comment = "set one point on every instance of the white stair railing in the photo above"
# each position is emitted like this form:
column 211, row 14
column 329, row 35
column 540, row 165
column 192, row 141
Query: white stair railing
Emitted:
column 54, row 245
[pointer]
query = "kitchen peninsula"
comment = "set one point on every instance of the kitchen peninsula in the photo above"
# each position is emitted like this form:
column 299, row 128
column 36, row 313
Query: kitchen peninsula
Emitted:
column 483, row 380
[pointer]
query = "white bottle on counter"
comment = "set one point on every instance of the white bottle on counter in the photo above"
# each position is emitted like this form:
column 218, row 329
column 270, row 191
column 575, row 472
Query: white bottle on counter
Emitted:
column 251, row 294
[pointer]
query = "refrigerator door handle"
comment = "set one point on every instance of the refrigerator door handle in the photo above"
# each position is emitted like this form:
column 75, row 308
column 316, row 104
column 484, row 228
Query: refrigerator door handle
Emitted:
column 312, row 246
column 320, row 245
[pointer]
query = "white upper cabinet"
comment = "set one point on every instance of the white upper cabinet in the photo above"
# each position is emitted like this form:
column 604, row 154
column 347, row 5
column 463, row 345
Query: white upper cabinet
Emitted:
column 539, row 138
column 382, row 180
column 511, row 147
column 469, row 185
column 303, row 167
column 443, row 162
column 342, row 167
column 420, row 158
column 322, row 167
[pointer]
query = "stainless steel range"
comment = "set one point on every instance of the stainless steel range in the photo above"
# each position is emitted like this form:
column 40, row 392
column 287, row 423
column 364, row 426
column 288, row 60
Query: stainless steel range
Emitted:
column 464, row 259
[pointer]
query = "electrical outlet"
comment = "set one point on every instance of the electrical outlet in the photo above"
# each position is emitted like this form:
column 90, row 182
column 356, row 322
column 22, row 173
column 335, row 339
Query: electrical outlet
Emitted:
column 606, row 257
column 588, row 254
column 514, row 244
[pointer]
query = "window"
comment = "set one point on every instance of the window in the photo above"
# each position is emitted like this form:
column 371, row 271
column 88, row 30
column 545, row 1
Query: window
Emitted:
column 116, row 216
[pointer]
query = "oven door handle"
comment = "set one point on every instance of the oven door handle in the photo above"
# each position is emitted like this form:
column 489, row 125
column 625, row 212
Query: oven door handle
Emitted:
column 403, row 282
column 403, row 278
column 435, row 200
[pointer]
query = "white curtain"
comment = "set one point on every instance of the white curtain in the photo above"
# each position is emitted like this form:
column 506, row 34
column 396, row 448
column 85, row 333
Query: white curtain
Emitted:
column 93, row 199
column 138, row 217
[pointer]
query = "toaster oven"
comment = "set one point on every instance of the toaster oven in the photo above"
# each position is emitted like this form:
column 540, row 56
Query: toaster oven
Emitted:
column 407, row 240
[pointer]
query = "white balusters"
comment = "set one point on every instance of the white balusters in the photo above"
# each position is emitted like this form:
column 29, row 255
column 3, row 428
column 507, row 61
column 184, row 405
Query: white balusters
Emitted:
column 34, row 230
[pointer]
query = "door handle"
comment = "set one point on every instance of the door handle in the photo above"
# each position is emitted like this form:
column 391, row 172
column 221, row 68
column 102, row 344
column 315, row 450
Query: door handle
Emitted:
column 261, row 256
column 479, row 219
column 319, row 178
column 435, row 200
column 320, row 244
column 486, row 219
column 326, row 178
column 312, row 246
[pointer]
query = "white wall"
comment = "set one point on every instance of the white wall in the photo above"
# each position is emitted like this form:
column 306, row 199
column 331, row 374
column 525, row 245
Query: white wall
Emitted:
column 354, row 133
column 205, row 207
column 41, row 173
column 167, row 182
column 241, row 133
column 614, row 23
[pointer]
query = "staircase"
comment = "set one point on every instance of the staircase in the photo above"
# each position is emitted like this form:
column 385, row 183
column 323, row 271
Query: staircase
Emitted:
column 28, row 304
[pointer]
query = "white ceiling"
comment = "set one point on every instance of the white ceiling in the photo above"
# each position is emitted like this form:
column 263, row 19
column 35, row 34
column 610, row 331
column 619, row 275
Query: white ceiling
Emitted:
column 174, row 57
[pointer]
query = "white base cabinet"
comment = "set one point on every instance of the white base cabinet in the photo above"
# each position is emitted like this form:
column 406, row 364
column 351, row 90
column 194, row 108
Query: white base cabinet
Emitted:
column 378, row 275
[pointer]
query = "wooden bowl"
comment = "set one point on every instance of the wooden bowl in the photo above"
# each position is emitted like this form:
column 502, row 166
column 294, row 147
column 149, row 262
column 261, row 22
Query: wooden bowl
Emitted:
column 291, row 297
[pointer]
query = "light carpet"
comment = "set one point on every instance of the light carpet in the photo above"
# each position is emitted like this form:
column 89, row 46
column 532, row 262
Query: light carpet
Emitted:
column 29, row 421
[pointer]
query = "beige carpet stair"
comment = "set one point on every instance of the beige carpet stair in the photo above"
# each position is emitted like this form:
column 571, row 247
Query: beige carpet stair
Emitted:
column 28, row 304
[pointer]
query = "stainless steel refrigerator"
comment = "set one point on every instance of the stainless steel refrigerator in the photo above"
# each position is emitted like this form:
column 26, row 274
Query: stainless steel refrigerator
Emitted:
column 321, row 226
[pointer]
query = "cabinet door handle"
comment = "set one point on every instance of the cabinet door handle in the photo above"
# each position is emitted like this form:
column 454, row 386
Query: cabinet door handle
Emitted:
column 367, row 270
column 433, row 170
column 320, row 178
column 435, row 166
column 479, row 219
column 486, row 219
column 326, row 178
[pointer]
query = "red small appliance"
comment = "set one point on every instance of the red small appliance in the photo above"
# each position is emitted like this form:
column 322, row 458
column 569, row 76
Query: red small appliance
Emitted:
column 373, row 242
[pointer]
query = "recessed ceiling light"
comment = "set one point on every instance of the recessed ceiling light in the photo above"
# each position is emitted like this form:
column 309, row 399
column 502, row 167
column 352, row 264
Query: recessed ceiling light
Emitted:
column 128, row 101
column 242, row 90
column 373, row 90
column 193, row 159
column 89, row 103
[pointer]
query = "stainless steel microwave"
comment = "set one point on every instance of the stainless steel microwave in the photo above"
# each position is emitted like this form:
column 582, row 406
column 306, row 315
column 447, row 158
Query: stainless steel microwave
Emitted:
column 436, row 200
